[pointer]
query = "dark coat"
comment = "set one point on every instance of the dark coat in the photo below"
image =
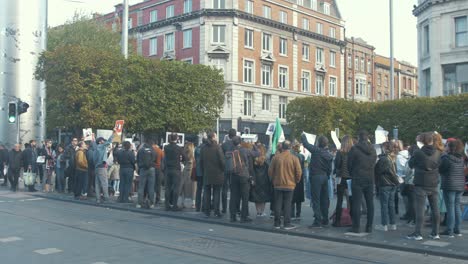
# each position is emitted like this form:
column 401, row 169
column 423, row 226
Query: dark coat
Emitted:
column 320, row 160
column 451, row 170
column 361, row 163
column 385, row 172
column 173, row 156
column 298, row 195
column 30, row 158
column 198, row 169
column 15, row 159
column 426, row 162
column 262, row 189
column 341, row 165
column 212, row 164
column 126, row 159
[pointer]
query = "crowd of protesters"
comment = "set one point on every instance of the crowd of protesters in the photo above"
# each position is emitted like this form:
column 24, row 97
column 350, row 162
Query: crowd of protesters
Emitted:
column 222, row 178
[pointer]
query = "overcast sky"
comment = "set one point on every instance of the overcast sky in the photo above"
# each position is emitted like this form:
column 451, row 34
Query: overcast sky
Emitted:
column 368, row 19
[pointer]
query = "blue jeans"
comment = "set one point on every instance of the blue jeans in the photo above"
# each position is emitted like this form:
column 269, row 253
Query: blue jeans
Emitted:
column 452, row 202
column 387, row 204
column 60, row 179
column 320, row 199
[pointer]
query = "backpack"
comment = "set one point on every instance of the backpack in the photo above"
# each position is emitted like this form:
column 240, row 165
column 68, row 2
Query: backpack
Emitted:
column 146, row 160
column 237, row 164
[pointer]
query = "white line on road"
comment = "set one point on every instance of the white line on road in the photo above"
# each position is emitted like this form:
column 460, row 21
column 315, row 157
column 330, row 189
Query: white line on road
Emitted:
column 99, row 263
column 10, row 239
column 436, row 243
column 35, row 199
column 47, row 251
column 356, row 234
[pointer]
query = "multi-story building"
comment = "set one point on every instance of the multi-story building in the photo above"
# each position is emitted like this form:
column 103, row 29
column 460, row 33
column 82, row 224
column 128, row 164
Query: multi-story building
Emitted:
column 406, row 79
column 359, row 70
column 442, row 46
column 270, row 51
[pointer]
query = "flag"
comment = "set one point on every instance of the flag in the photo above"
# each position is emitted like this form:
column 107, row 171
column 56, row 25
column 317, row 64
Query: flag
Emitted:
column 278, row 136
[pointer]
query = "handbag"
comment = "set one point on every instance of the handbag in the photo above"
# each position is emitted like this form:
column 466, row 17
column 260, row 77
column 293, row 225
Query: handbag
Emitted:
column 29, row 177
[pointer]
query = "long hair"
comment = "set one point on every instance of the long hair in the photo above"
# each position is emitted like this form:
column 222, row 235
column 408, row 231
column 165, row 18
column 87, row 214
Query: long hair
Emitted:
column 346, row 144
column 189, row 150
column 260, row 160
column 438, row 144
column 455, row 147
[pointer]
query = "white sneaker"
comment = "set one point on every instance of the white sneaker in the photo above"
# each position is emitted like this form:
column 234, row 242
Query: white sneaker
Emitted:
column 393, row 227
column 381, row 228
column 152, row 206
column 138, row 206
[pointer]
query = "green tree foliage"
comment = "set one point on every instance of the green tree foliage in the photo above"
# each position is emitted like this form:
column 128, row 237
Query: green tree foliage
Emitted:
column 320, row 115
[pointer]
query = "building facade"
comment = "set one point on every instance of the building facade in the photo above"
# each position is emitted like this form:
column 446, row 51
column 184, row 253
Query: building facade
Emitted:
column 359, row 66
column 442, row 47
column 270, row 51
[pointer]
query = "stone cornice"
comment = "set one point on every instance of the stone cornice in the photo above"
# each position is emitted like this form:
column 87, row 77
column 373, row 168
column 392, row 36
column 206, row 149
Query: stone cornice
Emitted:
column 238, row 14
column 426, row 5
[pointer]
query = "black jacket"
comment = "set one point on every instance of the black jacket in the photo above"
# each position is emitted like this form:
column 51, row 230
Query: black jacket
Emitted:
column 70, row 153
column 126, row 159
column 426, row 162
column 341, row 165
column 3, row 157
column 15, row 159
column 30, row 158
column 451, row 170
column 173, row 155
column 320, row 160
column 385, row 172
column 361, row 163
column 140, row 154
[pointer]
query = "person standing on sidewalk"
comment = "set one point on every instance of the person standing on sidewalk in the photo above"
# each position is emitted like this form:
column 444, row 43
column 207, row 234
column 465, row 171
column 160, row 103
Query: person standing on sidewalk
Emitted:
column 60, row 164
column 320, row 169
column 70, row 151
column 342, row 175
column 174, row 155
column 453, row 185
column 285, row 172
column 100, row 157
column 81, row 172
column 212, row 163
column 386, row 180
column 199, row 174
column 227, row 147
column 426, row 162
column 15, row 162
column 3, row 163
column 126, row 159
column 158, row 172
column 361, row 165
column 146, row 159
column 30, row 161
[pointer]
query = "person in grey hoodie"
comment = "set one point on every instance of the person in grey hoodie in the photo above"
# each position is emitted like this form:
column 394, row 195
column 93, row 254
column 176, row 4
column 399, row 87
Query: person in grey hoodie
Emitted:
column 100, row 158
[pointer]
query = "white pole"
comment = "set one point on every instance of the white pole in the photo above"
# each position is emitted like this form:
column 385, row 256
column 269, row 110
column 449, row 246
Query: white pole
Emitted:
column 217, row 128
column 392, row 66
column 125, row 29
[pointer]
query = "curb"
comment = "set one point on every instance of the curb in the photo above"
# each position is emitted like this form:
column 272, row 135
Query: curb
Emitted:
column 159, row 213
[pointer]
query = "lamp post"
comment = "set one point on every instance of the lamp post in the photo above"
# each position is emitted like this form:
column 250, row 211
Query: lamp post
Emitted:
column 392, row 65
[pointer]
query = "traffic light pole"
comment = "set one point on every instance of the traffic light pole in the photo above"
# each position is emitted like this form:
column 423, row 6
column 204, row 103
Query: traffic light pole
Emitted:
column 17, row 129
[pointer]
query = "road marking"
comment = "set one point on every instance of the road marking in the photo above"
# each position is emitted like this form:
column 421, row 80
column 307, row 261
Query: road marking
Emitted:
column 10, row 239
column 35, row 199
column 356, row 234
column 436, row 243
column 47, row 251
column 100, row 263
column 2, row 201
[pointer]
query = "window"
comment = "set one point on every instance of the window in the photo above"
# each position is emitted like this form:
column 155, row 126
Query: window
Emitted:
column 332, row 32
column 369, row 66
column 267, row 12
column 332, row 86
column 187, row 38
column 426, row 39
column 305, row 52
column 169, row 39
column 283, row 101
column 360, row 87
column 248, row 38
column 266, row 42
column 188, row 61
column 379, row 79
column 319, row 84
column 410, row 84
column 283, row 77
column 386, row 81
column 332, row 59
column 283, row 17
column 319, row 56
column 130, row 22
column 219, row 33
column 350, row 61
column 320, row 28
column 266, row 102
column 153, row 16
column 248, row 103
column 404, row 83
column 379, row 96
column 220, row 64
column 283, row 46
column 386, row 97
column 187, row 6
column 266, row 75
column 170, row 11
column 314, row 4
column 219, row 4
column 363, row 66
column 461, row 31
column 356, row 64
column 249, row 6
column 326, row 8
column 305, row 81
column 305, row 23
column 248, row 71
column 350, row 87
column 153, row 46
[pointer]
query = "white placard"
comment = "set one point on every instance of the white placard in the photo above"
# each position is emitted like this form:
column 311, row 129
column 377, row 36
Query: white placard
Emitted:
column 270, row 130
column 104, row 133
column 310, row 137
column 180, row 138
column 380, row 135
column 87, row 134
column 336, row 140
column 251, row 138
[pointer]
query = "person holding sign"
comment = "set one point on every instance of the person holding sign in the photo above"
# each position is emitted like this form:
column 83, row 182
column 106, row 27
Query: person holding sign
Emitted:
column 100, row 165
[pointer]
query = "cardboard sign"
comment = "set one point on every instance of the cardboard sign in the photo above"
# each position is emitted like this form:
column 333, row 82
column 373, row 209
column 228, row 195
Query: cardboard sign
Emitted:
column 119, row 127
column 87, row 134
column 251, row 138
column 104, row 133
column 310, row 138
column 336, row 140
column 180, row 138
column 381, row 135
column 270, row 130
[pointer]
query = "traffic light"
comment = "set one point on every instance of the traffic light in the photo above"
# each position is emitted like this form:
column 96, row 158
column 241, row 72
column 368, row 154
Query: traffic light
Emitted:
column 22, row 107
column 12, row 112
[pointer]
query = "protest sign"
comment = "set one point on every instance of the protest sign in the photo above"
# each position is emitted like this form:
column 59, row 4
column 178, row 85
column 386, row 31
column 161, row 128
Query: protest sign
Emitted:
column 180, row 138
column 381, row 135
column 310, row 137
column 270, row 129
column 336, row 140
column 87, row 134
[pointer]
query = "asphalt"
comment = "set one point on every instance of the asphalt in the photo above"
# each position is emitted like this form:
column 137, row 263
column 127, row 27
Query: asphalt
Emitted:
column 391, row 240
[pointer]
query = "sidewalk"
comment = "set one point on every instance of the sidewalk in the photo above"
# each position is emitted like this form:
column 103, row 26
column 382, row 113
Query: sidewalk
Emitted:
column 394, row 240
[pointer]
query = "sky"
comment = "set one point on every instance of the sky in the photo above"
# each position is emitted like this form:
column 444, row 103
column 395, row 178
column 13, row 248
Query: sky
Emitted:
column 367, row 19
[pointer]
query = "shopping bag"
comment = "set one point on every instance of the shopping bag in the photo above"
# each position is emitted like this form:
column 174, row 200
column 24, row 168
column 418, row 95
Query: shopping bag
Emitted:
column 29, row 177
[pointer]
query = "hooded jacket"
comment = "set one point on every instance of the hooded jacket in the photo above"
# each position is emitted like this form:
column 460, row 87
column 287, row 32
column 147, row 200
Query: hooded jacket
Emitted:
column 451, row 170
column 426, row 162
column 320, row 160
column 385, row 172
column 361, row 163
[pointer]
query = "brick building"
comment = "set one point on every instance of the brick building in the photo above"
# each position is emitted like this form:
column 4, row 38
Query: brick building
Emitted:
column 359, row 70
column 270, row 51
